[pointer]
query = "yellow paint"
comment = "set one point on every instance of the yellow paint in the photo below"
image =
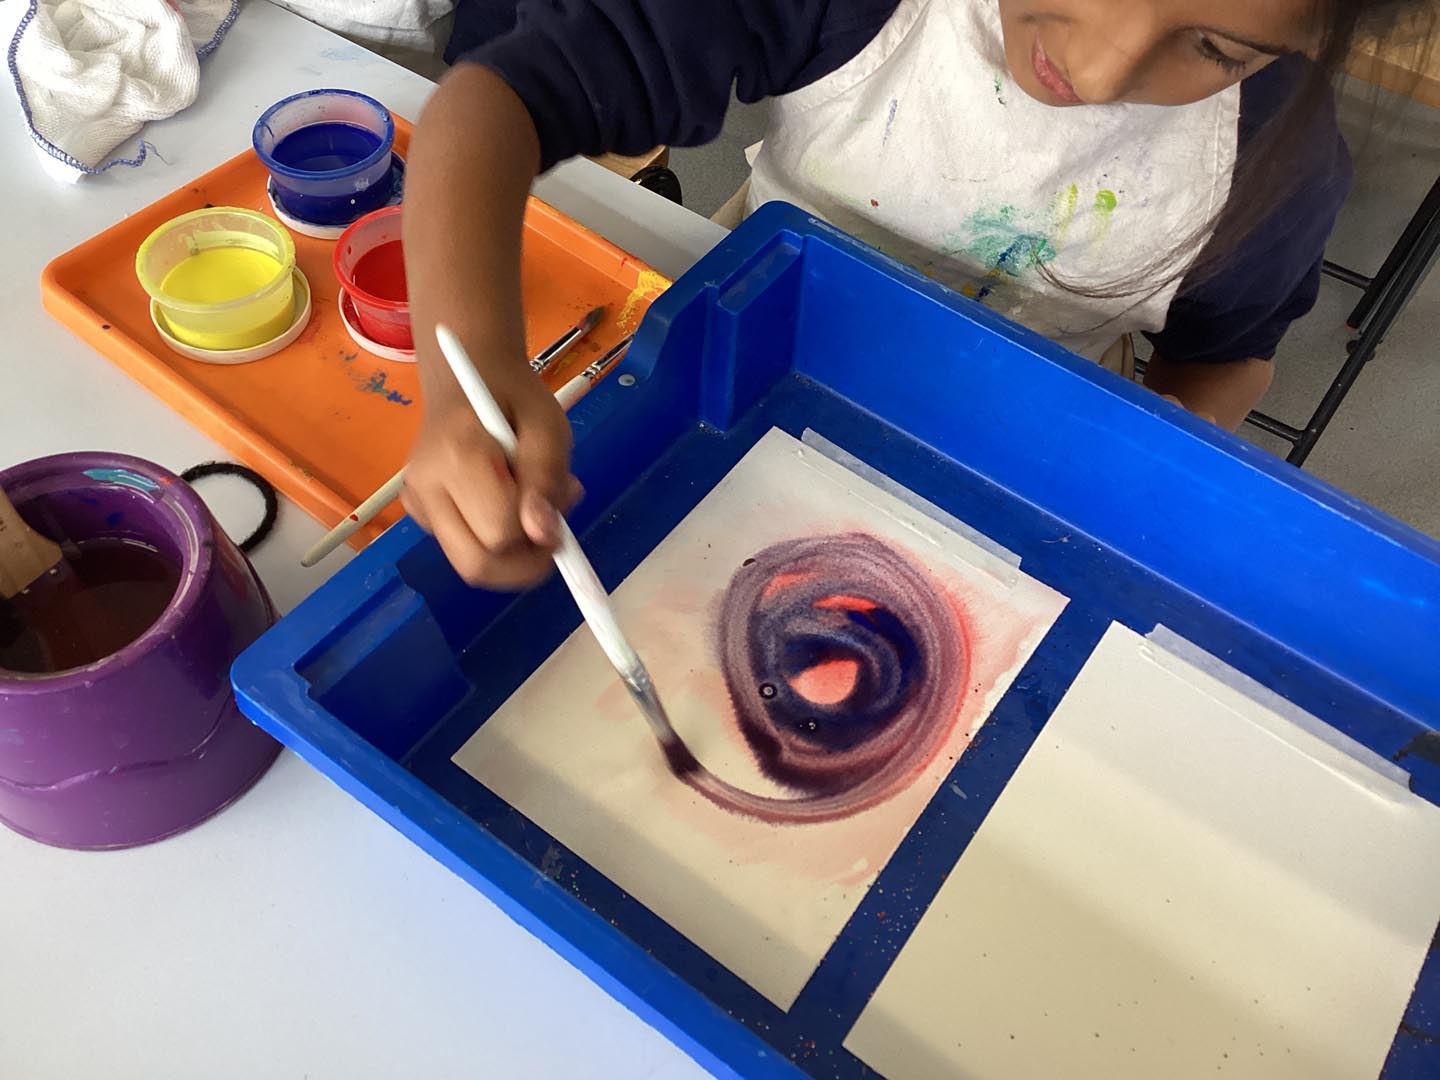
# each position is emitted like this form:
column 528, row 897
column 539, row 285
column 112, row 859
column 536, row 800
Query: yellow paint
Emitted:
column 1103, row 216
column 217, row 275
column 220, row 275
column 1066, row 203
column 648, row 286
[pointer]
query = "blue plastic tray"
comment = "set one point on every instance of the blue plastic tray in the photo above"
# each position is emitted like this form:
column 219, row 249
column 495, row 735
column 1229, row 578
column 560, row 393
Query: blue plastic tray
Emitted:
column 791, row 324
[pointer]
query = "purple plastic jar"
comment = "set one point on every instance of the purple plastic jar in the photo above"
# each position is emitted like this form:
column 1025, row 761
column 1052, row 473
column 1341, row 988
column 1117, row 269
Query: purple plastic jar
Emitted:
column 148, row 741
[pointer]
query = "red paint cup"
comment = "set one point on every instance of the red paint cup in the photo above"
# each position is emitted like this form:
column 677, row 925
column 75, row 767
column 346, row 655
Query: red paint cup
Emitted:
column 369, row 263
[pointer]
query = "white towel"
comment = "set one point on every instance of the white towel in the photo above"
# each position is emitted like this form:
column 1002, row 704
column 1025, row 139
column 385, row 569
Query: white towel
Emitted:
column 409, row 32
column 91, row 73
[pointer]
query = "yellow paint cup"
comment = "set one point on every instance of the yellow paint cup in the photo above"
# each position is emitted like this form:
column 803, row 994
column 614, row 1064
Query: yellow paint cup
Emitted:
column 223, row 278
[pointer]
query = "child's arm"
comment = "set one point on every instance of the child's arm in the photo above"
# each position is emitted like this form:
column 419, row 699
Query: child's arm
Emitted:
column 472, row 160
column 579, row 76
column 1224, row 326
column 1223, row 393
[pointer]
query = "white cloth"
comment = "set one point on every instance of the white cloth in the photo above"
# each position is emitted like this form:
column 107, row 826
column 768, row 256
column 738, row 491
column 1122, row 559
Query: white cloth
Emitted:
column 924, row 147
column 91, row 73
column 410, row 32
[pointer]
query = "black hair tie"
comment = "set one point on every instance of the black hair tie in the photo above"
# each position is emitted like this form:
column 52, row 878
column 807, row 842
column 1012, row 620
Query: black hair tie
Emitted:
column 255, row 480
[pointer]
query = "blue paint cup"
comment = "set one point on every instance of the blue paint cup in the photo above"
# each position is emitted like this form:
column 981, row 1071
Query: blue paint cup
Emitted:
column 329, row 155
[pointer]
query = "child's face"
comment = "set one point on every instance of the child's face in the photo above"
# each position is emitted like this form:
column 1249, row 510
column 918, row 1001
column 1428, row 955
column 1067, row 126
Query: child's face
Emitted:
column 1150, row 52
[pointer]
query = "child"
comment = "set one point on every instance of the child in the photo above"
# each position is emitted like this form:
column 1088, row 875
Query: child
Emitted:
column 1090, row 168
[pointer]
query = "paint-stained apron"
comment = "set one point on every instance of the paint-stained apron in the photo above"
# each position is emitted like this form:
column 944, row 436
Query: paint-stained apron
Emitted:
column 924, row 147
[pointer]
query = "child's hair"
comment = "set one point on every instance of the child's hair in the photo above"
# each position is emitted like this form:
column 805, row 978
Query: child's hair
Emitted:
column 1260, row 186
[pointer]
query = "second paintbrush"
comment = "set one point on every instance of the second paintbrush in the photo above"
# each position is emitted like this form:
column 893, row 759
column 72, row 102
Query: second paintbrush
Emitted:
column 549, row 357
column 580, row 385
column 542, row 362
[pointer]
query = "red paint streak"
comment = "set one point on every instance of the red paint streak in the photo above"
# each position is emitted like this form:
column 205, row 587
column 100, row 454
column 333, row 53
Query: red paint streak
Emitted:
column 784, row 581
column 875, row 202
column 847, row 603
column 381, row 273
column 829, row 683
column 354, row 517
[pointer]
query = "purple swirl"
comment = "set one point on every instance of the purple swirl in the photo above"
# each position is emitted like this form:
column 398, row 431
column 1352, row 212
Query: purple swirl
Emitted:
column 845, row 666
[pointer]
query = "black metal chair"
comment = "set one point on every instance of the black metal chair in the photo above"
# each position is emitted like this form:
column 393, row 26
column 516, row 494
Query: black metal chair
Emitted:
column 1385, row 298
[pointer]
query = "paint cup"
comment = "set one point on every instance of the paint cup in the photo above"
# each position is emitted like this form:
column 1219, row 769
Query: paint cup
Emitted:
column 332, row 232
column 374, row 348
column 145, row 741
column 369, row 264
column 328, row 153
column 304, row 308
column 221, row 277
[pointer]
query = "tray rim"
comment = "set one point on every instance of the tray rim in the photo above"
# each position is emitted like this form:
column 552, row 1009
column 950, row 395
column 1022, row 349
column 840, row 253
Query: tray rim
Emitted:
column 206, row 412
column 265, row 677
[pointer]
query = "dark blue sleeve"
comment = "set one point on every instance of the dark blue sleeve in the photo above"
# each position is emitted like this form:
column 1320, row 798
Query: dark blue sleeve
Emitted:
column 477, row 23
column 627, row 75
column 1273, row 277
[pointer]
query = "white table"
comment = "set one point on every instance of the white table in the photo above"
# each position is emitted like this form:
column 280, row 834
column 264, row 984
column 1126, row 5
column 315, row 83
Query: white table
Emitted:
column 295, row 935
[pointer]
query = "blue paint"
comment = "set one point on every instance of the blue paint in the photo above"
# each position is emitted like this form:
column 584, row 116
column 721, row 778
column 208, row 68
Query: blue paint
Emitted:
column 721, row 359
column 11, row 737
column 323, row 170
column 114, row 519
column 1025, row 251
column 123, row 477
column 890, row 120
column 329, row 148
column 376, row 385
column 326, row 147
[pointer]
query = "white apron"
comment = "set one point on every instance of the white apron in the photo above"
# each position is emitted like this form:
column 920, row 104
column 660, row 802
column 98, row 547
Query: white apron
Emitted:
column 924, row 147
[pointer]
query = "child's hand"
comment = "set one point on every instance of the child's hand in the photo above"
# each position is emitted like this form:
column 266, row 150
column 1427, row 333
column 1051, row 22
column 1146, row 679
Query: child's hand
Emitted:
column 472, row 159
column 496, row 522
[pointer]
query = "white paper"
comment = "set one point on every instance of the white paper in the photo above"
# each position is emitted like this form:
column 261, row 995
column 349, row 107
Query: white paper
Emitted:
column 1177, row 882
column 571, row 752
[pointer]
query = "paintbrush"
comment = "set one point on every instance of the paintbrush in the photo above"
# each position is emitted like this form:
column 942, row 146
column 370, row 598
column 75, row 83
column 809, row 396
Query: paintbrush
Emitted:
column 357, row 519
column 30, row 561
column 580, row 385
column 548, row 358
column 25, row 555
column 575, row 569
column 363, row 514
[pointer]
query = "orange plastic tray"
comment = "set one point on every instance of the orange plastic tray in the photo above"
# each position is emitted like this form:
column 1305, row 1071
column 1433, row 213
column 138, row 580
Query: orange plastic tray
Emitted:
column 324, row 421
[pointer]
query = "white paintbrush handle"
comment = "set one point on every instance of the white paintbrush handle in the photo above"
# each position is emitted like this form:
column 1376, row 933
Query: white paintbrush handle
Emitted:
column 356, row 520
column 570, row 560
column 593, row 602
column 487, row 410
column 582, row 383
column 573, row 390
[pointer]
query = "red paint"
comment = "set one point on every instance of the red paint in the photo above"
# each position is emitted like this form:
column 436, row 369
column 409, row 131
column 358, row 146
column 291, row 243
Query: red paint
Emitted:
column 381, row 273
column 783, row 581
column 354, row 517
column 501, row 467
column 875, row 202
column 847, row 603
column 829, row 683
